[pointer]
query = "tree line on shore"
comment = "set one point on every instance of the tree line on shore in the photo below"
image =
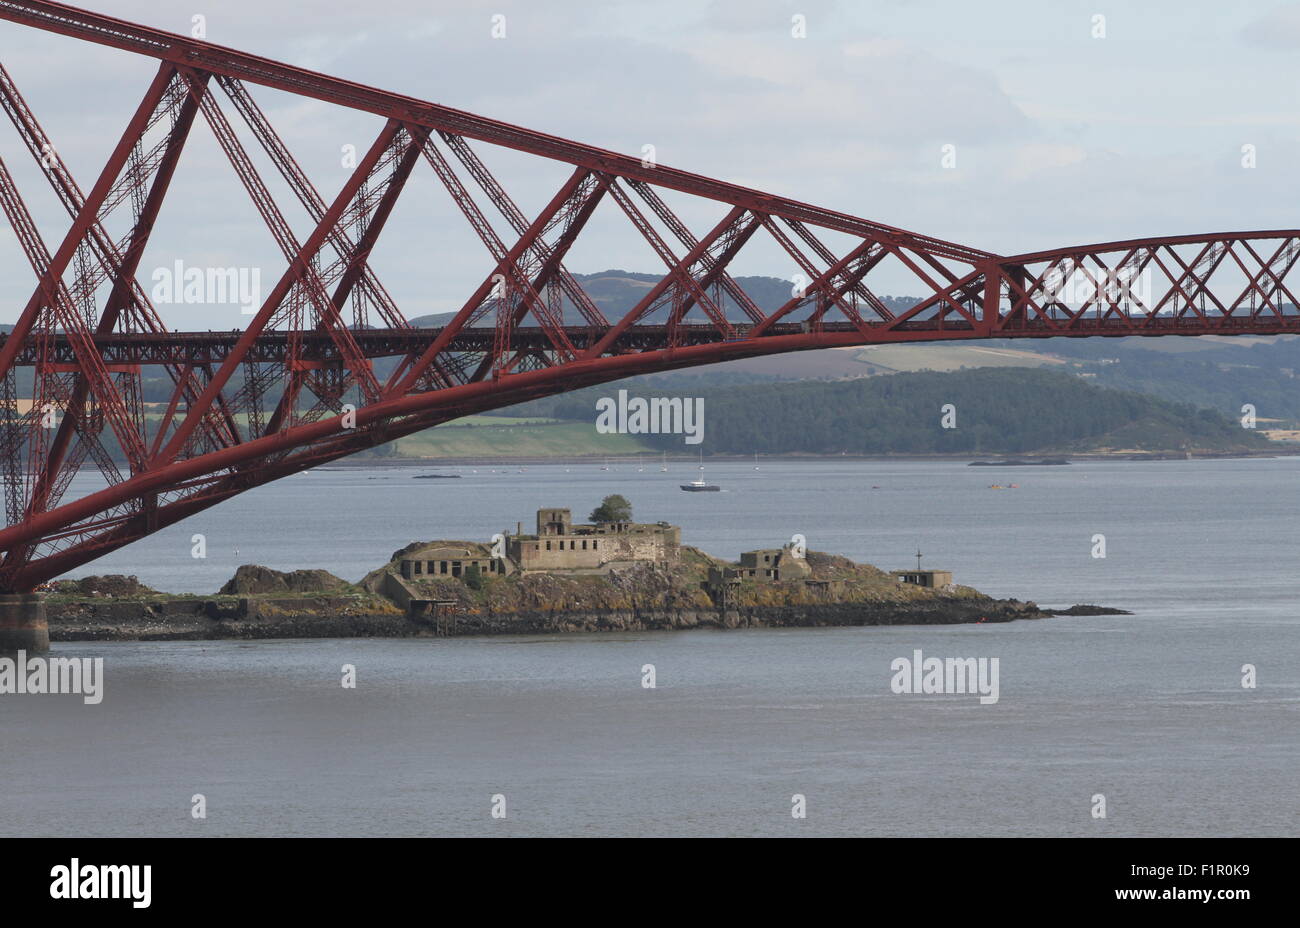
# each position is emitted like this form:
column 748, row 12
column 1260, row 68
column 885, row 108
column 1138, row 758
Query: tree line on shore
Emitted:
column 987, row 410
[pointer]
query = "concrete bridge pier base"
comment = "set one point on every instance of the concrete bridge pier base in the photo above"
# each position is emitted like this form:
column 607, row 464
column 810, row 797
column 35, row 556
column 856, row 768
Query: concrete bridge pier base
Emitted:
column 22, row 623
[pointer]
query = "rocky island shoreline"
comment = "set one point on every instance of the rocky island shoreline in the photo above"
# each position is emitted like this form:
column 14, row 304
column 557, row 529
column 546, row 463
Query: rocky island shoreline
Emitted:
column 260, row 603
column 610, row 575
column 181, row 618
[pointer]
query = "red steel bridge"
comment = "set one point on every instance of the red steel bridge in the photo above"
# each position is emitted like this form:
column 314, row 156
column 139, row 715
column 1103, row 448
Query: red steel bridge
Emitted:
column 328, row 365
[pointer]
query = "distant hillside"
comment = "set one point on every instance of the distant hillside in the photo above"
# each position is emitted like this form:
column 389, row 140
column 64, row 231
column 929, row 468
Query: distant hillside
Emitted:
column 617, row 291
column 1004, row 410
column 1216, row 373
column 1222, row 374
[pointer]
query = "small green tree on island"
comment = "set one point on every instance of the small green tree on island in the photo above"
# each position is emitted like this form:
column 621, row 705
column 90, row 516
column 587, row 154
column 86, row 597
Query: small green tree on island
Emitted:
column 612, row 508
column 473, row 577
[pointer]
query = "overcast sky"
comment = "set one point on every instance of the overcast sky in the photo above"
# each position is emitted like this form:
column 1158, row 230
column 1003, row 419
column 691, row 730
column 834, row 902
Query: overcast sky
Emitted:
column 1060, row 137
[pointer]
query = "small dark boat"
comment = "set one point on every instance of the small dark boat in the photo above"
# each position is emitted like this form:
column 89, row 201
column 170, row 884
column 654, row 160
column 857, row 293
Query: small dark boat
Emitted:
column 699, row 486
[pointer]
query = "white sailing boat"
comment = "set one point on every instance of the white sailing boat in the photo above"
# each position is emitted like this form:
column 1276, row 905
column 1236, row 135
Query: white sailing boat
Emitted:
column 698, row 485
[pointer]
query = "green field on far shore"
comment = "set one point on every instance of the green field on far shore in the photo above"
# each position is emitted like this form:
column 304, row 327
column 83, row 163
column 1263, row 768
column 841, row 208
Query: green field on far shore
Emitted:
column 516, row 437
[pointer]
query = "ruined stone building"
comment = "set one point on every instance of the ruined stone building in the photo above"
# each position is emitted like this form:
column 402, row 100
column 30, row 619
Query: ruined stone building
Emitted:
column 930, row 579
column 442, row 561
column 562, row 544
column 774, row 564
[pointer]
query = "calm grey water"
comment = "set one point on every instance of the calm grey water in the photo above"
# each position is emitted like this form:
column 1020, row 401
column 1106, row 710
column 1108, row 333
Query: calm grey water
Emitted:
column 1146, row 709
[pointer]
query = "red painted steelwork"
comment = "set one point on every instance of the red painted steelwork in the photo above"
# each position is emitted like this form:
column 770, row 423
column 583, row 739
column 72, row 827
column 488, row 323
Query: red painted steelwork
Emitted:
column 302, row 383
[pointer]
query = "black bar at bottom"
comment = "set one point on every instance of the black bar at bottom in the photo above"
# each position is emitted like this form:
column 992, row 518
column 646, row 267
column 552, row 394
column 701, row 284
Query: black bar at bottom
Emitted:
column 641, row 878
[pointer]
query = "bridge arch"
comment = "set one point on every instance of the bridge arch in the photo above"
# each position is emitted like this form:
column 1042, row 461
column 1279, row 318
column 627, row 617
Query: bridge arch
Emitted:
column 254, row 405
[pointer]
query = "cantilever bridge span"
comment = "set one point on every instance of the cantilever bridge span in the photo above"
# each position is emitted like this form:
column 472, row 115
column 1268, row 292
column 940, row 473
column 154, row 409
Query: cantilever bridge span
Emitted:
column 329, row 365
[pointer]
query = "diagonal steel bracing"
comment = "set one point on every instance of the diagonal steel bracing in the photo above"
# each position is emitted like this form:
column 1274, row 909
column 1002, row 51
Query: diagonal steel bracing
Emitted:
column 329, row 363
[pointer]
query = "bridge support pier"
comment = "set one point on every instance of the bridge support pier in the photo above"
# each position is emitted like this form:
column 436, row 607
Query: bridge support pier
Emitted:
column 22, row 623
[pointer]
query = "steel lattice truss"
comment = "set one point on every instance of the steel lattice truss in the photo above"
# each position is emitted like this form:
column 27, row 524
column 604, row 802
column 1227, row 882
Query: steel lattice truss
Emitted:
column 298, row 386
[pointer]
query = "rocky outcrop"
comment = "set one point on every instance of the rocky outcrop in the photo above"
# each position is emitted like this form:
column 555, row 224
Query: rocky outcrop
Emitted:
column 109, row 586
column 262, row 603
column 197, row 618
column 1088, row 609
column 362, row 617
column 951, row 611
column 253, row 579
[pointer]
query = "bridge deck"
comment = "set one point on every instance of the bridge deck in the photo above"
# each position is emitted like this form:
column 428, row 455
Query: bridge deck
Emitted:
column 272, row 346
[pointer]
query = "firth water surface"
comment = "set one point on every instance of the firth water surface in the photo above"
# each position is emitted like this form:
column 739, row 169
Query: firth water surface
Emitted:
column 1147, row 709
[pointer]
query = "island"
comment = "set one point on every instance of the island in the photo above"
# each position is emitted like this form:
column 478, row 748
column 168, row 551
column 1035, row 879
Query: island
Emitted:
column 1021, row 462
column 609, row 574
